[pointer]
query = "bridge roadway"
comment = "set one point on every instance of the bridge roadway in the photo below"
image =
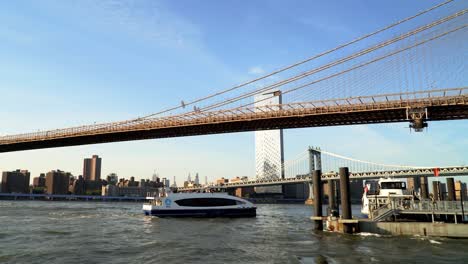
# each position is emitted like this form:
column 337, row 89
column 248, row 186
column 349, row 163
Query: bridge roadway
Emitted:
column 414, row 107
column 444, row 172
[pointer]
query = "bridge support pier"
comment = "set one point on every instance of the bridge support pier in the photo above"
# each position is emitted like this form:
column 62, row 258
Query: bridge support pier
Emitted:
column 451, row 189
column 315, row 163
column 424, row 188
column 345, row 199
column 310, row 199
column 317, row 182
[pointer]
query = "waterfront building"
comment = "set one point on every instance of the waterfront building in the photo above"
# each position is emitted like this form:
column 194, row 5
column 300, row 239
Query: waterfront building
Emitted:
column 132, row 182
column 93, row 187
column 15, row 181
column 269, row 154
column 221, row 181
column 155, row 176
column 92, row 168
column 112, row 179
column 166, row 182
column 78, row 186
column 39, row 182
column 110, row 190
column 460, row 188
column 239, row 179
column 57, row 182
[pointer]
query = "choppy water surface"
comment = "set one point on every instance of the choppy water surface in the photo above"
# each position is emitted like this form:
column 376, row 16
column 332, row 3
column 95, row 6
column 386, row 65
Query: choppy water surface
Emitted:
column 89, row 232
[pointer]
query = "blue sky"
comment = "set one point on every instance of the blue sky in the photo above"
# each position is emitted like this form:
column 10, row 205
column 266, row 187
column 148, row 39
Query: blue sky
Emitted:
column 66, row 63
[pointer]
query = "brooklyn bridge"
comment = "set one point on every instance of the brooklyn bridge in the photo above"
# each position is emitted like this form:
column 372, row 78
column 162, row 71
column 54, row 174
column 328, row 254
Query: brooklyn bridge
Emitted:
column 413, row 71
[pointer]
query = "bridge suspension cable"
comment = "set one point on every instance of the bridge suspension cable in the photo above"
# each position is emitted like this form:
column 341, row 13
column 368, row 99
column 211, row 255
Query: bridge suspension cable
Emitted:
column 336, row 63
column 341, row 72
column 299, row 165
column 183, row 105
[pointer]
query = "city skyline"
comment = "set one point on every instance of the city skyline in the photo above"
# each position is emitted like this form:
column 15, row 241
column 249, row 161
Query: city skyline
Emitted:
column 130, row 67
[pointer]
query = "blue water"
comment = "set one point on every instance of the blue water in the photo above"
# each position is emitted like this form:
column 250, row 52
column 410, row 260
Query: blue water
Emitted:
column 99, row 232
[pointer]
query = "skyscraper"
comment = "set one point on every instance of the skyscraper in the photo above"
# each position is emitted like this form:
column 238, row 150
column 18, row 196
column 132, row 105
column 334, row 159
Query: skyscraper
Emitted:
column 269, row 155
column 197, row 180
column 92, row 168
column 155, row 176
column 174, row 184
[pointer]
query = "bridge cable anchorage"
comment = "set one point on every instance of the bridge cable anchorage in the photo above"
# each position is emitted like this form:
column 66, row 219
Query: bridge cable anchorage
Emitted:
column 183, row 105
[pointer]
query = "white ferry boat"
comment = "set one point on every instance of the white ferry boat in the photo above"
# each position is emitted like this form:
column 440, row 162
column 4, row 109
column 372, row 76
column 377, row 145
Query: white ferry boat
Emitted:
column 384, row 189
column 198, row 205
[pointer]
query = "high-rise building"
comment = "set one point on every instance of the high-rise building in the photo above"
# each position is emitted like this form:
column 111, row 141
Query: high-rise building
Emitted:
column 189, row 178
column 155, row 176
column 92, row 168
column 57, row 182
column 269, row 155
column 15, row 181
column 174, row 184
column 166, row 182
column 197, row 179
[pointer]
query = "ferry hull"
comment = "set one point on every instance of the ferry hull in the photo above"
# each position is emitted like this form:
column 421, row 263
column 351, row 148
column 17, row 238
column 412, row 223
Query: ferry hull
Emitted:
column 224, row 212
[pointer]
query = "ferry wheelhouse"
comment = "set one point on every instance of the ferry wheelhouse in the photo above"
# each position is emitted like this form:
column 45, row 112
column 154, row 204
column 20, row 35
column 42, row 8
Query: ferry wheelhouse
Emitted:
column 198, row 205
column 377, row 193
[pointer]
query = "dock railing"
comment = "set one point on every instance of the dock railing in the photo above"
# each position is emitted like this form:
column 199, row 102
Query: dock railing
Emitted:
column 407, row 204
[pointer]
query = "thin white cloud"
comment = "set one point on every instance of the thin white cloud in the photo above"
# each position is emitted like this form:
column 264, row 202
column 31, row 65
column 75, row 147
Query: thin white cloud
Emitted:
column 256, row 70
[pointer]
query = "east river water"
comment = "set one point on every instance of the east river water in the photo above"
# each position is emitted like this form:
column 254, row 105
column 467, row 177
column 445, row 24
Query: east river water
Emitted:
column 99, row 232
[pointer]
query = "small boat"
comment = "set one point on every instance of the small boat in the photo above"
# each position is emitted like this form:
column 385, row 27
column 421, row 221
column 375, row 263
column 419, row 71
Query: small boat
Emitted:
column 198, row 205
column 384, row 189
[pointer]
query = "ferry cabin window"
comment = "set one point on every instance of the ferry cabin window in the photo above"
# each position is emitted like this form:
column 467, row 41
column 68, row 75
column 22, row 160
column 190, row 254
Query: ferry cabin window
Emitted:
column 206, row 202
column 393, row 185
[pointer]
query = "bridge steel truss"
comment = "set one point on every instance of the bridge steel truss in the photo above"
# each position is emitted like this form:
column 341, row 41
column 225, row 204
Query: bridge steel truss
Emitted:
column 432, row 105
column 307, row 178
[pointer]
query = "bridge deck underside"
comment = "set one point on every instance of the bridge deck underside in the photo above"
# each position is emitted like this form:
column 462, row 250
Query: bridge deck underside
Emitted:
column 436, row 113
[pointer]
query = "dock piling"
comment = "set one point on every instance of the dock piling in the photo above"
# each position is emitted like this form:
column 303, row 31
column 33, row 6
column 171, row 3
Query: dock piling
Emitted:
column 450, row 189
column 345, row 198
column 317, row 184
column 332, row 208
column 424, row 188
